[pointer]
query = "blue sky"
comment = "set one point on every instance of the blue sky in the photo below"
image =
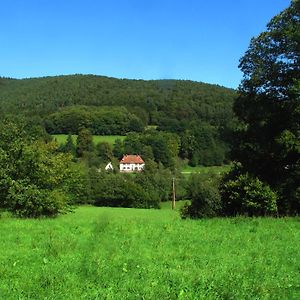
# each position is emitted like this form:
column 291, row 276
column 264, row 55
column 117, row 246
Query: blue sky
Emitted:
column 142, row 39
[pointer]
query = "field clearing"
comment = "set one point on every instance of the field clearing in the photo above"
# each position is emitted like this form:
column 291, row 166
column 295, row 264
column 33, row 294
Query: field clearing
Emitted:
column 117, row 253
column 215, row 170
column 61, row 138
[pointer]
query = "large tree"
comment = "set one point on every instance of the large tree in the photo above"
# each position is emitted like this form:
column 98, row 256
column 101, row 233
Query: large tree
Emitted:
column 35, row 179
column 267, row 143
column 84, row 142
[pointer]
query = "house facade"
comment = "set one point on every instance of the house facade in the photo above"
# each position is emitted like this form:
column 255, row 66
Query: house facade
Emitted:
column 131, row 163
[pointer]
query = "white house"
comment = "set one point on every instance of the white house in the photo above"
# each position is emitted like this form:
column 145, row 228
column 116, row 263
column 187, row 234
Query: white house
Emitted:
column 131, row 163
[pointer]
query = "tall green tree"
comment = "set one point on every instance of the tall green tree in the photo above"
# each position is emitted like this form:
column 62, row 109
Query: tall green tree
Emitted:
column 104, row 151
column 84, row 142
column 118, row 149
column 267, row 142
column 70, row 146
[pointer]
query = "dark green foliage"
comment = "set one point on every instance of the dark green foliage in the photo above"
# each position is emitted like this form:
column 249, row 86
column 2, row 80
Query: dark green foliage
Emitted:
column 156, row 179
column 163, row 147
column 104, row 152
column 147, row 152
column 134, row 125
column 267, row 141
column 205, row 199
column 151, row 101
column 133, row 144
column 28, row 200
column 142, row 190
column 118, row 149
column 77, row 183
column 121, row 190
column 243, row 194
column 84, row 142
column 69, row 146
column 34, row 127
column 100, row 120
column 201, row 144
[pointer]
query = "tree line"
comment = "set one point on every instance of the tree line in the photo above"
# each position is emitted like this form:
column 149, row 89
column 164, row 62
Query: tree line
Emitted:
column 102, row 120
column 163, row 147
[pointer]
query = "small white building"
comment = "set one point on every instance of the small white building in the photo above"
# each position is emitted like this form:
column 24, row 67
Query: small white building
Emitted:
column 109, row 167
column 131, row 163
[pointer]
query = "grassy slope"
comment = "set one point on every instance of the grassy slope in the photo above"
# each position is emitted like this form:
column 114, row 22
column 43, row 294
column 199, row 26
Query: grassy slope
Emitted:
column 61, row 138
column 105, row 253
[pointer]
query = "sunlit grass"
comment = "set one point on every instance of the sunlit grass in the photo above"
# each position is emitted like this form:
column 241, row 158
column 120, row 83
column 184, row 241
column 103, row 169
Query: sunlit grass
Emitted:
column 62, row 138
column 117, row 253
column 217, row 170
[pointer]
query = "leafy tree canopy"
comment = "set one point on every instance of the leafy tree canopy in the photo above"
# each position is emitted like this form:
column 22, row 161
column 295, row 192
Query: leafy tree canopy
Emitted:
column 35, row 180
column 151, row 101
column 267, row 142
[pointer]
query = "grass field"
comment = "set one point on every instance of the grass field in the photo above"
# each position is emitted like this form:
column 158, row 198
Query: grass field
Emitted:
column 106, row 253
column 61, row 138
column 205, row 170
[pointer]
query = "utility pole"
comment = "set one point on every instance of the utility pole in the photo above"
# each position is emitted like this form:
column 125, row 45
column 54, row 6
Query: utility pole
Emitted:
column 174, row 195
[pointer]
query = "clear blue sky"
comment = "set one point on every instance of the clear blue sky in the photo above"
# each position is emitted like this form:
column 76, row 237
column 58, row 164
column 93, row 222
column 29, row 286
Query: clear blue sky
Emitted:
column 198, row 40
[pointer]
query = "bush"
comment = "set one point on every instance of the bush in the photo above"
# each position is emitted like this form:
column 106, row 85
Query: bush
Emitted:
column 205, row 199
column 27, row 200
column 120, row 190
column 247, row 195
column 35, row 179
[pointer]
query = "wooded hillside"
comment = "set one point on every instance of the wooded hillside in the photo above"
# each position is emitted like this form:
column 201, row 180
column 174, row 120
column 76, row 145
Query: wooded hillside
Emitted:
column 153, row 101
column 199, row 113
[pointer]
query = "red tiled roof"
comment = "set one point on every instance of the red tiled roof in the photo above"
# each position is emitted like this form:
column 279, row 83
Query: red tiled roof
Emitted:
column 131, row 159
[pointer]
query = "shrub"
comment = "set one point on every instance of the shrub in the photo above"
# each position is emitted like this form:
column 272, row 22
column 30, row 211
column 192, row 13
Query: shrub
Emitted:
column 121, row 190
column 247, row 195
column 35, row 179
column 205, row 199
column 27, row 200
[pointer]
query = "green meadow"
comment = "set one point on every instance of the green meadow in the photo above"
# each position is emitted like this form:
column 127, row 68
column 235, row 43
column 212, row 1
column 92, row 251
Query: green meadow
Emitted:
column 62, row 138
column 213, row 170
column 117, row 253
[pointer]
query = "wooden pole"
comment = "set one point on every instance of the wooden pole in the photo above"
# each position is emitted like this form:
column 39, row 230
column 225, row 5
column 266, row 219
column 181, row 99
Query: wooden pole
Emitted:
column 174, row 195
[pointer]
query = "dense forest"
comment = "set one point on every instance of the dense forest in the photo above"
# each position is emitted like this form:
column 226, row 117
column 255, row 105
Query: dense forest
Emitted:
column 199, row 113
column 153, row 101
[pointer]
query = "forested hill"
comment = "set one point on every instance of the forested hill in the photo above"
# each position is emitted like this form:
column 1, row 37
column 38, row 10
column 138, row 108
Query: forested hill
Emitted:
column 154, row 102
